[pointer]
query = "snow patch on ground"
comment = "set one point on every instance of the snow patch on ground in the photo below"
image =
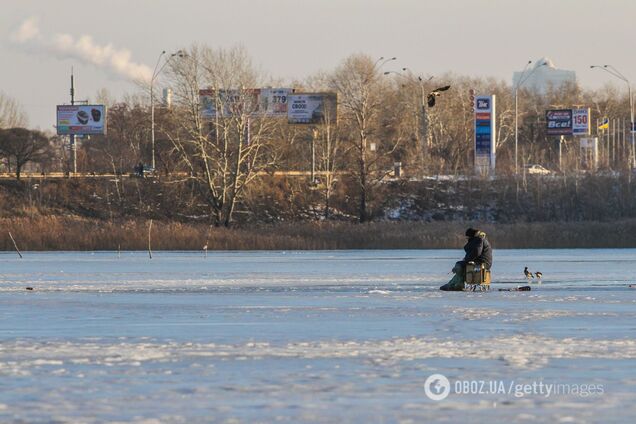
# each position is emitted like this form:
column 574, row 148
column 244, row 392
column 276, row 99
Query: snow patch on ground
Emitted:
column 522, row 351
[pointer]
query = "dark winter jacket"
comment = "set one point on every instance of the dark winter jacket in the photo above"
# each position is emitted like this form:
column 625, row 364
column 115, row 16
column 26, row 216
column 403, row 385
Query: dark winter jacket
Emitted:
column 478, row 250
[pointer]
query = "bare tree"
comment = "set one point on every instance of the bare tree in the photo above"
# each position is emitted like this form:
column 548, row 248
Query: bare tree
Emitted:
column 360, row 87
column 225, row 151
column 22, row 145
column 328, row 143
column 329, row 149
column 12, row 114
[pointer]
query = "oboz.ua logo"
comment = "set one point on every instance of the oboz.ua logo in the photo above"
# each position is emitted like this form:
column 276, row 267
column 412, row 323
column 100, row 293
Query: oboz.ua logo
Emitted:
column 437, row 387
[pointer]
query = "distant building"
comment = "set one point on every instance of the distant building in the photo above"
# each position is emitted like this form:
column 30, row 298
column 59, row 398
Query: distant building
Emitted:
column 167, row 97
column 543, row 76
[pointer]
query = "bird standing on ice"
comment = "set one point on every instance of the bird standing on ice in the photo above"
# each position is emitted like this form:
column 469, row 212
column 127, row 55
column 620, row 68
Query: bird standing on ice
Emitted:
column 528, row 274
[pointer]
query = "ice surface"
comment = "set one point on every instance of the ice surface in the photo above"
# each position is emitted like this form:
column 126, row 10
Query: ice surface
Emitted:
column 310, row 336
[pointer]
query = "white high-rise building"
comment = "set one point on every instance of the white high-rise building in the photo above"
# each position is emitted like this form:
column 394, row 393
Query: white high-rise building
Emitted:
column 543, row 76
column 167, row 97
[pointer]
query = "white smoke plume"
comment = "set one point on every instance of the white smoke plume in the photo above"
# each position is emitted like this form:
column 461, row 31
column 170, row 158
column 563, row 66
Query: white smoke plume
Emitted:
column 27, row 31
column 117, row 61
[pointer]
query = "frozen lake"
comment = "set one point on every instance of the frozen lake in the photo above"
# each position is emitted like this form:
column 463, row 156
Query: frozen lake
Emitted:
column 347, row 336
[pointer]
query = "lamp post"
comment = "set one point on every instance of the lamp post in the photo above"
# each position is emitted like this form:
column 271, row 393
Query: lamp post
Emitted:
column 381, row 61
column 371, row 76
column 314, row 136
column 155, row 74
column 426, row 99
column 424, row 124
column 615, row 73
column 421, row 115
column 523, row 78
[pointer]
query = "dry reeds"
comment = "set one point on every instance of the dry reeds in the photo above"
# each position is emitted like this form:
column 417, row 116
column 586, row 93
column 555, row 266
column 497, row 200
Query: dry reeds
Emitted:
column 74, row 233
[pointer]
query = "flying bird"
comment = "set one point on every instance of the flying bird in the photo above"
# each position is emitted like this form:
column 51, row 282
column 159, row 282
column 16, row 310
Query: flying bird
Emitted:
column 430, row 99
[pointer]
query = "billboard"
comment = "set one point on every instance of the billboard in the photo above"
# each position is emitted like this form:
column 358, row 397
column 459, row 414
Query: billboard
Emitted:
column 311, row 108
column 589, row 152
column 581, row 121
column 254, row 101
column 558, row 121
column 207, row 103
column 81, row 119
column 228, row 102
column 485, row 114
column 274, row 101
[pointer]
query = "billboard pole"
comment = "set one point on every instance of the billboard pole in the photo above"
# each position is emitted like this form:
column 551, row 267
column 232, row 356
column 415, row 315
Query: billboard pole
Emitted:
column 72, row 136
column 561, row 140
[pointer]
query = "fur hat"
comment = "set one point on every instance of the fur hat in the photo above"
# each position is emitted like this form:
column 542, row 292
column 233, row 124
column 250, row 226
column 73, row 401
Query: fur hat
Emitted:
column 471, row 232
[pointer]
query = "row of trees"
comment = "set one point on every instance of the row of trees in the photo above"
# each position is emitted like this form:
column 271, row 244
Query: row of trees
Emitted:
column 378, row 123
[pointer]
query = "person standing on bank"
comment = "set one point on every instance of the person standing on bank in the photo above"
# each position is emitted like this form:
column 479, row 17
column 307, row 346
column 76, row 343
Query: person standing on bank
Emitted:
column 477, row 250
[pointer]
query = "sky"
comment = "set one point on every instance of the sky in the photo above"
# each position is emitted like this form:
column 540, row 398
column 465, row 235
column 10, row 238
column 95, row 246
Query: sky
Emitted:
column 109, row 43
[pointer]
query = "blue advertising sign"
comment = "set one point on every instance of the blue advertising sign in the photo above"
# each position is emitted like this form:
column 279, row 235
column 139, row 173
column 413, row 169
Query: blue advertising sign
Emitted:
column 482, row 104
column 485, row 134
column 558, row 121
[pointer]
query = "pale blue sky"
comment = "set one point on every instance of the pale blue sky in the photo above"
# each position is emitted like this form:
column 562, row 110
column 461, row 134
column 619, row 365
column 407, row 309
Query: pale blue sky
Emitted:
column 295, row 38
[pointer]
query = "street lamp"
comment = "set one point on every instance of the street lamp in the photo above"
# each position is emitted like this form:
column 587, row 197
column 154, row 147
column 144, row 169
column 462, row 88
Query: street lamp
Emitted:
column 420, row 81
column 522, row 78
column 155, row 74
column 425, row 99
column 421, row 116
column 614, row 72
column 383, row 62
column 314, row 136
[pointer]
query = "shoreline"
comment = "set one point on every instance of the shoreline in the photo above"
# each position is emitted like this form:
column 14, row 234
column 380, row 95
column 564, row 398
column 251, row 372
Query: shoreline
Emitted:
column 69, row 233
column 199, row 252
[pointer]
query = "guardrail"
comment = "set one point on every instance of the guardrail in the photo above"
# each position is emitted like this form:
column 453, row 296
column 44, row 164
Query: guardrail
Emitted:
column 7, row 175
column 56, row 175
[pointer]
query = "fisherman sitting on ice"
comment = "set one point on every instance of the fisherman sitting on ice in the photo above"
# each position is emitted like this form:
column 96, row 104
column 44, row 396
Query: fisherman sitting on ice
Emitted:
column 477, row 250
